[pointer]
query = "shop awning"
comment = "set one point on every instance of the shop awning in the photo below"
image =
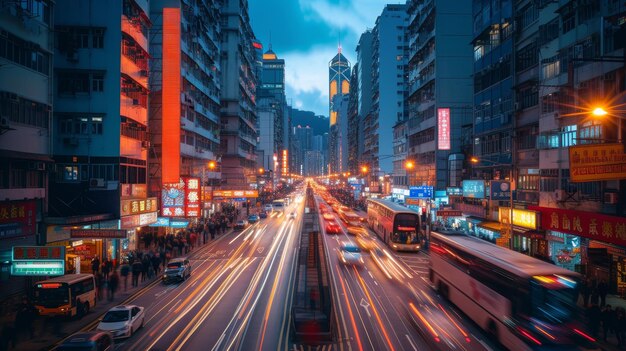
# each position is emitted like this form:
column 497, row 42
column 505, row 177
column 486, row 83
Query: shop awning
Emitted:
column 493, row 226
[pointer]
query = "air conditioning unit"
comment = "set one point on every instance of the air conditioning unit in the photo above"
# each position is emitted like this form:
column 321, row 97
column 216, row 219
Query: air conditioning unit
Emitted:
column 145, row 144
column 96, row 183
column 560, row 195
column 610, row 198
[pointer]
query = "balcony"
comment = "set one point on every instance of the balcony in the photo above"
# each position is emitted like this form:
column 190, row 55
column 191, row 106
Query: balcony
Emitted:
column 133, row 29
column 130, row 68
column 132, row 108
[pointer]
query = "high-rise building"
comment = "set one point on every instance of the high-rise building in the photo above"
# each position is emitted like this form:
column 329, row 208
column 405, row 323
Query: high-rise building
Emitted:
column 440, row 88
column 338, row 84
column 26, row 47
column 101, row 141
column 387, row 91
column 238, row 97
column 272, row 109
column 185, row 91
column 354, row 123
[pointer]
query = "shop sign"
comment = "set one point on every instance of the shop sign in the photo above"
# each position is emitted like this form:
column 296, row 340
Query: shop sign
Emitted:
column 411, row 201
column 139, row 220
column 98, row 233
column 449, row 213
column 207, row 194
column 421, row 192
column 181, row 199
column 500, row 190
column 521, row 218
column 443, row 119
column 454, row 191
column 473, row 210
column 590, row 225
column 135, row 206
column 161, row 222
column 474, row 189
column 178, row 224
column 235, row 193
column 17, row 218
column 440, row 194
column 38, row 260
column 137, row 191
column 590, row 163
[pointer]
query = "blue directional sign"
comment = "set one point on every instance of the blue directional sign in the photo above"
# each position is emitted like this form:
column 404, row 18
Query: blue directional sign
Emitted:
column 421, row 192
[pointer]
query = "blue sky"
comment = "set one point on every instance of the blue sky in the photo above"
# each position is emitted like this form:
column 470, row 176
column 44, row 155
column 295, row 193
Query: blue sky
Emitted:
column 306, row 34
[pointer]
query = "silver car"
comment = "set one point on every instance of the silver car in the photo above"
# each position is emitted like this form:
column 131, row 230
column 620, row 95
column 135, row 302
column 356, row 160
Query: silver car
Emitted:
column 178, row 269
column 349, row 253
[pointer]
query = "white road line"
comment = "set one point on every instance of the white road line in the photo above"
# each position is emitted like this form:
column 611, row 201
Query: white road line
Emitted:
column 410, row 342
column 176, row 304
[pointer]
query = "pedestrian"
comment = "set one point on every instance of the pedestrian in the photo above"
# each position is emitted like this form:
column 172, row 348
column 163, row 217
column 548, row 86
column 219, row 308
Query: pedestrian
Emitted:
column 24, row 318
column 156, row 264
column 99, row 284
column 603, row 289
column 606, row 317
column 106, row 269
column 113, row 283
column 586, row 292
column 593, row 319
column 145, row 265
column 620, row 326
column 95, row 264
column 595, row 296
column 136, row 269
column 124, row 272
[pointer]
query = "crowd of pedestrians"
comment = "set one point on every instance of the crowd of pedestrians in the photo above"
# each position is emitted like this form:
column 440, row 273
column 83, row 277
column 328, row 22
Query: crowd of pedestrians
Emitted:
column 602, row 319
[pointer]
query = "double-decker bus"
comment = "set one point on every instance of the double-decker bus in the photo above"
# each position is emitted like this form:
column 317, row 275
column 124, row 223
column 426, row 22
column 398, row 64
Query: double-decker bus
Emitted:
column 279, row 205
column 397, row 226
column 67, row 295
column 523, row 302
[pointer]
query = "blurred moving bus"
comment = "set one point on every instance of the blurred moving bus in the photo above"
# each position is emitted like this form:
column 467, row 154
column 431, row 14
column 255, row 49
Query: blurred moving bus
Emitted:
column 397, row 226
column 67, row 295
column 279, row 205
column 523, row 302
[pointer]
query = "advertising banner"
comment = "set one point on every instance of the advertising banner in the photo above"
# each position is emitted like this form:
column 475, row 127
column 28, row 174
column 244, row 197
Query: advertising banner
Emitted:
column 474, row 189
column 181, row 199
column 443, row 119
column 17, row 218
column 590, row 163
column 38, row 260
column 500, row 190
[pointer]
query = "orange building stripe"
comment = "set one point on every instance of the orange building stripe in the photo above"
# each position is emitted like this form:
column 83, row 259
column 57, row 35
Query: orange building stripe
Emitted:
column 171, row 90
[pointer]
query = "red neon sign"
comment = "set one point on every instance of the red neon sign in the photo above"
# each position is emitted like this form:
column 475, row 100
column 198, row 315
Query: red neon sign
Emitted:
column 443, row 126
column 170, row 96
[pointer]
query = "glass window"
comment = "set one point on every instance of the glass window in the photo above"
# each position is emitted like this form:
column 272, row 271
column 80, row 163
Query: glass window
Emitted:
column 70, row 173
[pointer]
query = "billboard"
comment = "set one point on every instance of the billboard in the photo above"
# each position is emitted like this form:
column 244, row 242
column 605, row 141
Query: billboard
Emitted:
column 38, row 260
column 590, row 163
column 181, row 199
column 474, row 189
column 17, row 218
column 500, row 190
column 443, row 126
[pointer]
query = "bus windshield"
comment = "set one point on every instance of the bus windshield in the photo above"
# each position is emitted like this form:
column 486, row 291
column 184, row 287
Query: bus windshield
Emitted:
column 51, row 296
column 405, row 229
column 555, row 306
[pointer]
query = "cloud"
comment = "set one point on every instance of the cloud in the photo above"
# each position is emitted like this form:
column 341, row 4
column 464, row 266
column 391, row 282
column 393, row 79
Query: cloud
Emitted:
column 306, row 76
column 355, row 16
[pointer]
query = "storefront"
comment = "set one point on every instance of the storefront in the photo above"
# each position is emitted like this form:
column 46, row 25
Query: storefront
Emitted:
column 524, row 233
column 489, row 231
column 596, row 243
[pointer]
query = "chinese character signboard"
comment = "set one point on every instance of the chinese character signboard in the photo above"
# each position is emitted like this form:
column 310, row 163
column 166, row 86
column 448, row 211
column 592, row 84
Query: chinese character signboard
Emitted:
column 181, row 199
column 474, row 189
column 235, row 193
column 285, row 164
column 443, row 119
column 590, row 163
column 136, row 206
column 521, row 218
column 98, row 233
column 421, row 192
column 500, row 190
column 590, row 225
column 38, row 260
column 449, row 213
column 17, row 218
column 454, row 191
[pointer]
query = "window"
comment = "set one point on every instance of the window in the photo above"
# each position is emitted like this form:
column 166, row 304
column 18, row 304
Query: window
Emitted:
column 71, row 38
column 70, row 173
column 549, row 31
column 568, row 18
column 528, row 182
column 568, row 136
column 24, row 111
column 527, row 57
column 550, row 67
column 590, row 132
column 24, row 53
column 80, row 125
column 97, row 38
column 528, row 97
column 529, row 15
column 97, row 82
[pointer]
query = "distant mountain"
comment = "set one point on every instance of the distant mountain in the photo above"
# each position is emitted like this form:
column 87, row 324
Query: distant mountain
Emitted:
column 318, row 123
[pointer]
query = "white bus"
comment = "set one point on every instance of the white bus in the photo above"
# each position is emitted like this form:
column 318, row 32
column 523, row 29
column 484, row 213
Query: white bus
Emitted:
column 279, row 205
column 397, row 226
column 523, row 302
column 67, row 295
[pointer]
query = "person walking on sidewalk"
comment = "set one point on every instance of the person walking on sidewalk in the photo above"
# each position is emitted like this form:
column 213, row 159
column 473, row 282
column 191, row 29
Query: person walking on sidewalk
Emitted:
column 99, row 285
column 95, row 265
column 113, row 283
column 603, row 290
column 607, row 320
column 124, row 272
column 106, row 268
column 24, row 318
column 593, row 319
column 136, row 268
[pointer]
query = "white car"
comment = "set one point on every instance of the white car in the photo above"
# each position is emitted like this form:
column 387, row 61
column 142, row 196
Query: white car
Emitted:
column 268, row 208
column 349, row 253
column 292, row 215
column 122, row 321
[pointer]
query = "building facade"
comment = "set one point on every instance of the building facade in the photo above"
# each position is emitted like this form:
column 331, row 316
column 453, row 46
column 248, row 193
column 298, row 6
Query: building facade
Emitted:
column 338, row 84
column 26, row 87
column 238, row 136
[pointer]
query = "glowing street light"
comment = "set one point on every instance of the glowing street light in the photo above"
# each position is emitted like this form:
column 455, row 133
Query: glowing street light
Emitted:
column 212, row 165
column 599, row 112
column 364, row 169
column 409, row 165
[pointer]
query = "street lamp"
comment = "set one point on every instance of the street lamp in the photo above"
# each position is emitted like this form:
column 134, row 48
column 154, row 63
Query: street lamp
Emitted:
column 601, row 112
column 476, row 160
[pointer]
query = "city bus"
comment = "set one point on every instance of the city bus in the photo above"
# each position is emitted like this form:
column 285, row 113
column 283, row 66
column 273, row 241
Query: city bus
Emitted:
column 67, row 295
column 279, row 205
column 350, row 218
column 522, row 302
column 397, row 226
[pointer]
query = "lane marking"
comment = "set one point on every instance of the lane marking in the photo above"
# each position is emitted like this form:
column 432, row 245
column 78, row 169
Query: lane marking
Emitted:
column 411, row 342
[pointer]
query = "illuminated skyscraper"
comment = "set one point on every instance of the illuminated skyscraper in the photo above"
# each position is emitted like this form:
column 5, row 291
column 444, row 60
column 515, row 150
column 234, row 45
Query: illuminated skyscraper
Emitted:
column 338, row 83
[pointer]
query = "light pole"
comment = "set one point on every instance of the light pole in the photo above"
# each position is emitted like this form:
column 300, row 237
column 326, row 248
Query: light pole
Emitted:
column 476, row 160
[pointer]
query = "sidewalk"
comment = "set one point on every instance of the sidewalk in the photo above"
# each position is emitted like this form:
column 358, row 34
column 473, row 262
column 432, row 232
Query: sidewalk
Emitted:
column 611, row 341
column 46, row 337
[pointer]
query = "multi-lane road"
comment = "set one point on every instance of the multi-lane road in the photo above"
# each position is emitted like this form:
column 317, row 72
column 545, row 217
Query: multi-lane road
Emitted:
column 239, row 297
